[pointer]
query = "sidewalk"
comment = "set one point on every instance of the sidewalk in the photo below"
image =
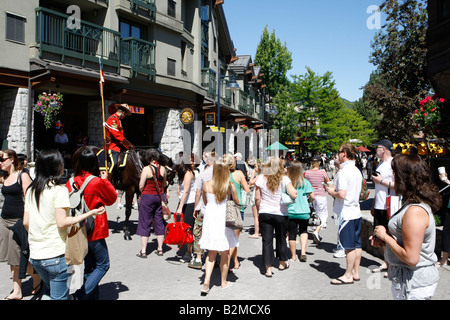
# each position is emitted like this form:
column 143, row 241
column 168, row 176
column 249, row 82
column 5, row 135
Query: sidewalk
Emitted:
column 166, row 278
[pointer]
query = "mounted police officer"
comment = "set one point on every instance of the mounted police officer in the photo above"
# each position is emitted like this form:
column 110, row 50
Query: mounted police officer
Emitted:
column 116, row 142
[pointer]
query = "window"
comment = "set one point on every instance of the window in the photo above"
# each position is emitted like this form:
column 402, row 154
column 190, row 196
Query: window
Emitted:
column 15, row 27
column 128, row 29
column 171, row 64
column 171, row 6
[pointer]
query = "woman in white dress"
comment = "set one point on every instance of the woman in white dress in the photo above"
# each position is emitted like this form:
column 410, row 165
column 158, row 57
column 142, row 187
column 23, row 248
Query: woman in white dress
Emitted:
column 215, row 236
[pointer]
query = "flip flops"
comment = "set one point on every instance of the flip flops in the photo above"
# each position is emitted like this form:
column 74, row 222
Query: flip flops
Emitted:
column 340, row 282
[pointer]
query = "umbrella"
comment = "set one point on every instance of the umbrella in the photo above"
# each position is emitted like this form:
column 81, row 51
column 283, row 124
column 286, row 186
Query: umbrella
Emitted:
column 362, row 149
column 277, row 146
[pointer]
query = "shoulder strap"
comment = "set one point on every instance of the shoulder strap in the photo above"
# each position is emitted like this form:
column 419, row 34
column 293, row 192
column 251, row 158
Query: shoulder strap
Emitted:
column 84, row 185
column 156, row 183
column 19, row 178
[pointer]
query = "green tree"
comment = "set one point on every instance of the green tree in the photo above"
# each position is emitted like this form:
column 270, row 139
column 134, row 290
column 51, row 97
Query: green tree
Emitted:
column 275, row 61
column 399, row 52
column 313, row 109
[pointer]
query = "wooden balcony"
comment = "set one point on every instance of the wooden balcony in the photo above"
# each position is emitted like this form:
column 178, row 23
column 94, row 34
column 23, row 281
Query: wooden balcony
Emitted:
column 85, row 42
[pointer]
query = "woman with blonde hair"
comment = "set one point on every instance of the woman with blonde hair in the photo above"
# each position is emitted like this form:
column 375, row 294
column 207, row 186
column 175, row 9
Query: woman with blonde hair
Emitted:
column 239, row 181
column 299, row 211
column 216, row 237
column 269, row 186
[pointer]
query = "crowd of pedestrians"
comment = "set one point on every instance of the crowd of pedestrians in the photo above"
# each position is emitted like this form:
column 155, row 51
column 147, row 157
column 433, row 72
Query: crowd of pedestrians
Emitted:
column 282, row 196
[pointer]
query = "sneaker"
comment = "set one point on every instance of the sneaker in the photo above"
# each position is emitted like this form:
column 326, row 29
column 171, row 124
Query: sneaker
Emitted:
column 135, row 206
column 186, row 258
column 303, row 258
column 120, row 206
column 194, row 264
column 340, row 254
column 317, row 238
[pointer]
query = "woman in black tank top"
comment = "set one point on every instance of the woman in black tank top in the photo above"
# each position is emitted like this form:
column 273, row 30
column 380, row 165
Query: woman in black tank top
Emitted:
column 14, row 187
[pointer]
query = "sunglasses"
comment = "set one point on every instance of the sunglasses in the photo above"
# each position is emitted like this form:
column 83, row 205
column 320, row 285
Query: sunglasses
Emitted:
column 4, row 159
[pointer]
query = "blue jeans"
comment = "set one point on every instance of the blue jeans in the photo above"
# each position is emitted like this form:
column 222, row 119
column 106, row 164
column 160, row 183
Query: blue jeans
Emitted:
column 96, row 264
column 54, row 274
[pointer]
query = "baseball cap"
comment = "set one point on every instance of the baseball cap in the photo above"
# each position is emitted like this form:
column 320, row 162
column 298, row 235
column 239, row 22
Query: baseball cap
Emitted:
column 317, row 158
column 385, row 143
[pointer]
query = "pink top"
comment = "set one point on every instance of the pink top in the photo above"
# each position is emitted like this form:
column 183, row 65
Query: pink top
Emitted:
column 316, row 177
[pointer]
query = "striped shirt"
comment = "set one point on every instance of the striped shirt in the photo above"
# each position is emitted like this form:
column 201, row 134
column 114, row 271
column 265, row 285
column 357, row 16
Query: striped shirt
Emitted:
column 316, row 177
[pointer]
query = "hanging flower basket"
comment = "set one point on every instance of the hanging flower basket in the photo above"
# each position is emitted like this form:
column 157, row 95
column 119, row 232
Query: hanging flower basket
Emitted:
column 49, row 105
column 428, row 116
column 244, row 127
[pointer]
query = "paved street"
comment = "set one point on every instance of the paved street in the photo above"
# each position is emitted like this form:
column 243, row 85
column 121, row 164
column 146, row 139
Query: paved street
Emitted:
column 166, row 278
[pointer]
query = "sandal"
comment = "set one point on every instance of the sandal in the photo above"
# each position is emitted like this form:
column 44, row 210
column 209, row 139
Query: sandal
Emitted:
column 141, row 255
column 268, row 274
column 339, row 281
column 159, row 253
column 35, row 290
column 285, row 266
column 204, row 290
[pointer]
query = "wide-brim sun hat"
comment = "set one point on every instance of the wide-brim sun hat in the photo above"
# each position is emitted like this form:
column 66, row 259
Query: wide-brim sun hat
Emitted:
column 123, row 106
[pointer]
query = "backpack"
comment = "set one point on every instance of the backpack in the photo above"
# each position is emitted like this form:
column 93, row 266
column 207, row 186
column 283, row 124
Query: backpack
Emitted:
column 78, row 205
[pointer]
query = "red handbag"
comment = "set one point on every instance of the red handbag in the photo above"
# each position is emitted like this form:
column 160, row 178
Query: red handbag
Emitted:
column 178, row 232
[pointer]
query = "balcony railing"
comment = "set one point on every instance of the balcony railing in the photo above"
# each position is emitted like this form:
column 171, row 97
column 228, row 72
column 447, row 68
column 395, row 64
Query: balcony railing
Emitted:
column 243, row 105
column 209, row 81
column 139, row 55
column 84, row 41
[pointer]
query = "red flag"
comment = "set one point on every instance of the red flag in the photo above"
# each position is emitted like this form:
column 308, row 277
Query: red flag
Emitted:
column 102, row 75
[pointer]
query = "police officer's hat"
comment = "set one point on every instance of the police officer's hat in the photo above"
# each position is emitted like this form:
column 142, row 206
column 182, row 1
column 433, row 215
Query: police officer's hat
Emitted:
column 123, row 106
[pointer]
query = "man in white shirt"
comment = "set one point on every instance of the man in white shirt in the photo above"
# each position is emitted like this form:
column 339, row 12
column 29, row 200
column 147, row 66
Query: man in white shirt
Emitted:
column 346, row 206
column 383, row 178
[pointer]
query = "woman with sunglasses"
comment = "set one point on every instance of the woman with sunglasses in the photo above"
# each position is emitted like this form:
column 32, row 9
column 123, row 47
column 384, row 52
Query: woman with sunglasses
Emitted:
column 14, row 187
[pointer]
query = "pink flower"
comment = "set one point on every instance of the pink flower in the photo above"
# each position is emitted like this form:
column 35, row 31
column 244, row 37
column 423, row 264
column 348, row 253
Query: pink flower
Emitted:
column 425, row 114
column 415, row 112
column 428, row 99
column 432, row 110
column 442, row 100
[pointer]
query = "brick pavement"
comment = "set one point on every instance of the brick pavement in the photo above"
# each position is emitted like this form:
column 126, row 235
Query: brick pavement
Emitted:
column 162, row 278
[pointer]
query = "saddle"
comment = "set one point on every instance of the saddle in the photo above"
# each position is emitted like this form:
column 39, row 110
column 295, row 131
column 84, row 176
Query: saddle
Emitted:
column 121, row 162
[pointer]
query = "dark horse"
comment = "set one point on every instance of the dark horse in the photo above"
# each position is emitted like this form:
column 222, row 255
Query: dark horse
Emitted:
column 129, row 179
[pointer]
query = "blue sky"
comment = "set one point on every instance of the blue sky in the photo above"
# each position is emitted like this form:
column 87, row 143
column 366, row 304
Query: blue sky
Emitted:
column 325, row 35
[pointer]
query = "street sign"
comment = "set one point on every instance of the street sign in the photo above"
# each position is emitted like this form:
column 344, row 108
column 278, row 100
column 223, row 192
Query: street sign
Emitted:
column 137, row 110
column 210, row 118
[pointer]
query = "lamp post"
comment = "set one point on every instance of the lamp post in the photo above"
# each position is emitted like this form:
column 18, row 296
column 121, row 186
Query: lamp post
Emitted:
column 233, row 86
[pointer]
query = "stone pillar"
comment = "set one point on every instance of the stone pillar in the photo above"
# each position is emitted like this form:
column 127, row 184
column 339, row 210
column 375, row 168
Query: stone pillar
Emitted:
column 168, row 131
column 95, row 121
column 13, row 119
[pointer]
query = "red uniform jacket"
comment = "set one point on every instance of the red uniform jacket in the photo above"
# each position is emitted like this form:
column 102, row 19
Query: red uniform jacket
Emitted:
column 99, row 192
column 114, row 131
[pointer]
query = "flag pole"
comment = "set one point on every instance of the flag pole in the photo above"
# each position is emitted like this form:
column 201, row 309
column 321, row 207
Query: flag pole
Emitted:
column 102, row 81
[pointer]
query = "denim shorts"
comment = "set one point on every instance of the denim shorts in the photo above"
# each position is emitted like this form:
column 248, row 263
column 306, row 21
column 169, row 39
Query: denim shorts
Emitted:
column 350, row 234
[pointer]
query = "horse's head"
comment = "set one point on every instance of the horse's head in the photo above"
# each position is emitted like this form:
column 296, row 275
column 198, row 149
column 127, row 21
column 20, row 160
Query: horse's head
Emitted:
column 168, row 163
